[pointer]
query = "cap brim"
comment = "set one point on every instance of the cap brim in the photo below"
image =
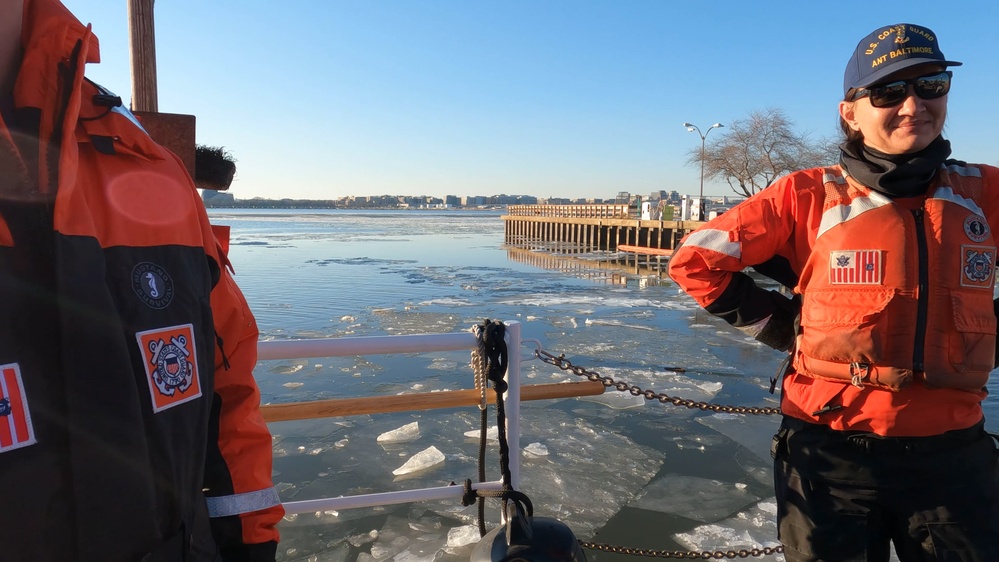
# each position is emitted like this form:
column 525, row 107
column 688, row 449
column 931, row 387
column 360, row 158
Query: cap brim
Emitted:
column 889, row 70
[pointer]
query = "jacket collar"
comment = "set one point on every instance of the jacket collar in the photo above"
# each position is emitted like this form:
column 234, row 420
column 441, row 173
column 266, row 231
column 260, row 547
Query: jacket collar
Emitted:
column 48, row 38
column 51, row 80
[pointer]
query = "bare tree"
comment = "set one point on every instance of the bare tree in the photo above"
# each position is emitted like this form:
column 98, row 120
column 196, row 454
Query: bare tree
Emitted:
column 756, row 151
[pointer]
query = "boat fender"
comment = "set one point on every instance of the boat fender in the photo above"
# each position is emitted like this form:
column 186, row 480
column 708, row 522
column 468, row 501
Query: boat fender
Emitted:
column 525, row 538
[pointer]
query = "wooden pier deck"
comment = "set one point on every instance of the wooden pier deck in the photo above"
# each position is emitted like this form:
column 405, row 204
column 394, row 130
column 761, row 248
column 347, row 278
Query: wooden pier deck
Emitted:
column 586, row 228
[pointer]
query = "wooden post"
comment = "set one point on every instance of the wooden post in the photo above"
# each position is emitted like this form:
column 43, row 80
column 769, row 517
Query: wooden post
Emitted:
column 142, row 42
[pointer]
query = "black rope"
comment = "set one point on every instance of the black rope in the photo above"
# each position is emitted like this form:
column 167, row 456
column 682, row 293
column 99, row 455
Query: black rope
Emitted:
column 468, row 497
column 483, row 432
column 514, row 496
column 492, row 346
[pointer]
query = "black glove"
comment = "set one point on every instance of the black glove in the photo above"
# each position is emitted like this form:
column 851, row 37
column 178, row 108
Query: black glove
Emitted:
column 781, row 329
column 261, row 552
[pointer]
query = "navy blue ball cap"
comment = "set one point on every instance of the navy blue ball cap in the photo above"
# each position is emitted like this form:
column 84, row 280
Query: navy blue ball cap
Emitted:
column 890, row 49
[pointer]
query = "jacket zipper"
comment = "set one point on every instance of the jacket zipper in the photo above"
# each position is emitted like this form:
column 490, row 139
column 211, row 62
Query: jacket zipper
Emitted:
column 922, row 296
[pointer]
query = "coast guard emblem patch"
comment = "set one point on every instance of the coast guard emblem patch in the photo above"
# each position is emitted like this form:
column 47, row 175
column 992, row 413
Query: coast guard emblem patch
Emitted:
column 16, row 430
column 855, row 267
column 171, row 363
column 978, row 266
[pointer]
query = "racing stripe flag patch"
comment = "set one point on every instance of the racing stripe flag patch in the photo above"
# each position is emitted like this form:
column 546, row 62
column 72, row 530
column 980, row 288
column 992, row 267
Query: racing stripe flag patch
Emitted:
column 16, row 430
column 855, row 267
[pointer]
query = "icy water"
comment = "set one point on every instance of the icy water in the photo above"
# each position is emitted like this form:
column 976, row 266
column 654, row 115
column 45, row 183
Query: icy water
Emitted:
column 615, row 468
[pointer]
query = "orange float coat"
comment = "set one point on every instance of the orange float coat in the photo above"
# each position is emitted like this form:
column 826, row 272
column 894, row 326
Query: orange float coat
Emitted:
column 897, row 330
column 129, row 418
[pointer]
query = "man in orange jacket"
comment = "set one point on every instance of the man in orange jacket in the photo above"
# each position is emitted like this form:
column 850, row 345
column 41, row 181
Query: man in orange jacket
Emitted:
column 129, row 418
column 892, row 256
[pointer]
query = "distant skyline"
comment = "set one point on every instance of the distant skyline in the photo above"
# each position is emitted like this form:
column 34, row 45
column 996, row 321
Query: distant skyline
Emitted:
column 561, row 98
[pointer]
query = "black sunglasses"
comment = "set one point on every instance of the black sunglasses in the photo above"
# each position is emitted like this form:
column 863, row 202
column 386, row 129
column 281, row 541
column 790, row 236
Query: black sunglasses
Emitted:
column 893, row 93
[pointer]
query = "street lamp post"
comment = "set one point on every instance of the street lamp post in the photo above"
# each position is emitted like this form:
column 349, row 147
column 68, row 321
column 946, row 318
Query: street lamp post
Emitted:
column 691, row 128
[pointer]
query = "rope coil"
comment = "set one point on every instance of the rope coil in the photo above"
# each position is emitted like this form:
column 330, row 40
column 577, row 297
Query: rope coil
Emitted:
column 489, row 362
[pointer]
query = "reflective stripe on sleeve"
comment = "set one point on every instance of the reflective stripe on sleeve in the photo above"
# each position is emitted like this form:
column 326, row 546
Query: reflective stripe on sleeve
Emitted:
column 715, row 240
column 224, row 506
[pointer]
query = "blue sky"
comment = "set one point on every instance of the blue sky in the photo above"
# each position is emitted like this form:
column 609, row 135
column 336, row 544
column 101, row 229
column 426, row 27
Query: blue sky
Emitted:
column 563, row 98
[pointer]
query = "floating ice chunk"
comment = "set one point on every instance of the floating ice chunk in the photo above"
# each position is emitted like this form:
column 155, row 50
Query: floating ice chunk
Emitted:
column 683, row 442
column 335, row 552
column 424, row 460
column 397, row 542
column 536, row 450
column 404, row 434
column 364, row 538
column 382, row 550
column 753, row 432
column 492, row 433
column 293, row 384
column 709, row 387
column 752, row 528
column 695, row 498
column 465, row 535
column 566, row 485
column 288, row 369
column 421, row 555
column 617, row 400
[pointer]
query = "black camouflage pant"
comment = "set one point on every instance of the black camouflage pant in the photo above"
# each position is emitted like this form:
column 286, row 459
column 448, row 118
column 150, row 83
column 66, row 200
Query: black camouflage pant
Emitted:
column 844, row 496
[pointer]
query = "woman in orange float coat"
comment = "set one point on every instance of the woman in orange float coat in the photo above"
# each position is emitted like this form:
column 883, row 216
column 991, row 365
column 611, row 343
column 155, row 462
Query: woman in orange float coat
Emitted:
column 129, row 418
column 892, row 330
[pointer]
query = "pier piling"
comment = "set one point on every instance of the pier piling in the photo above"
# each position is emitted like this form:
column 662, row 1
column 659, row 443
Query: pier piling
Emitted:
column 571, row 229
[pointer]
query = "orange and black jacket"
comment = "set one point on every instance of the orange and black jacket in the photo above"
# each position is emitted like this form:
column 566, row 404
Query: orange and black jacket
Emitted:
column 129, row 419
column 897, row 332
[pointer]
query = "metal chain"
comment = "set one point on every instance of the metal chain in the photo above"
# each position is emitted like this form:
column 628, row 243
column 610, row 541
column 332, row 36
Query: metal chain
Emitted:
column 688, row 555
column 562, row 363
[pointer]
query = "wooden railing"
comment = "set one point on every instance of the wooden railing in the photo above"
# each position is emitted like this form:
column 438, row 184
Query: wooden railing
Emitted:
column 601, row 211
column 418, row 343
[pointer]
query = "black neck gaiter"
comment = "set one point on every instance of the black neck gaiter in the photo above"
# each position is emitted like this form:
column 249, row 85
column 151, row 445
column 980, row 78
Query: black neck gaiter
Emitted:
column 894, row 175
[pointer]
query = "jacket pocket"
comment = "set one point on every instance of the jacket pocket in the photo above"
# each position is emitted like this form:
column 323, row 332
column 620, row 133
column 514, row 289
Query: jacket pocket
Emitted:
column 971, row 346
column 845, row 325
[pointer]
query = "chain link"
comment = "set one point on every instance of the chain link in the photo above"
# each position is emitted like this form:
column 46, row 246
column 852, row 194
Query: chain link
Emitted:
column 681, row 554
column 562, row 363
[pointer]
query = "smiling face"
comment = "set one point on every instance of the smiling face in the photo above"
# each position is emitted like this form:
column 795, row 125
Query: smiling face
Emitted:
column 904, row 128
